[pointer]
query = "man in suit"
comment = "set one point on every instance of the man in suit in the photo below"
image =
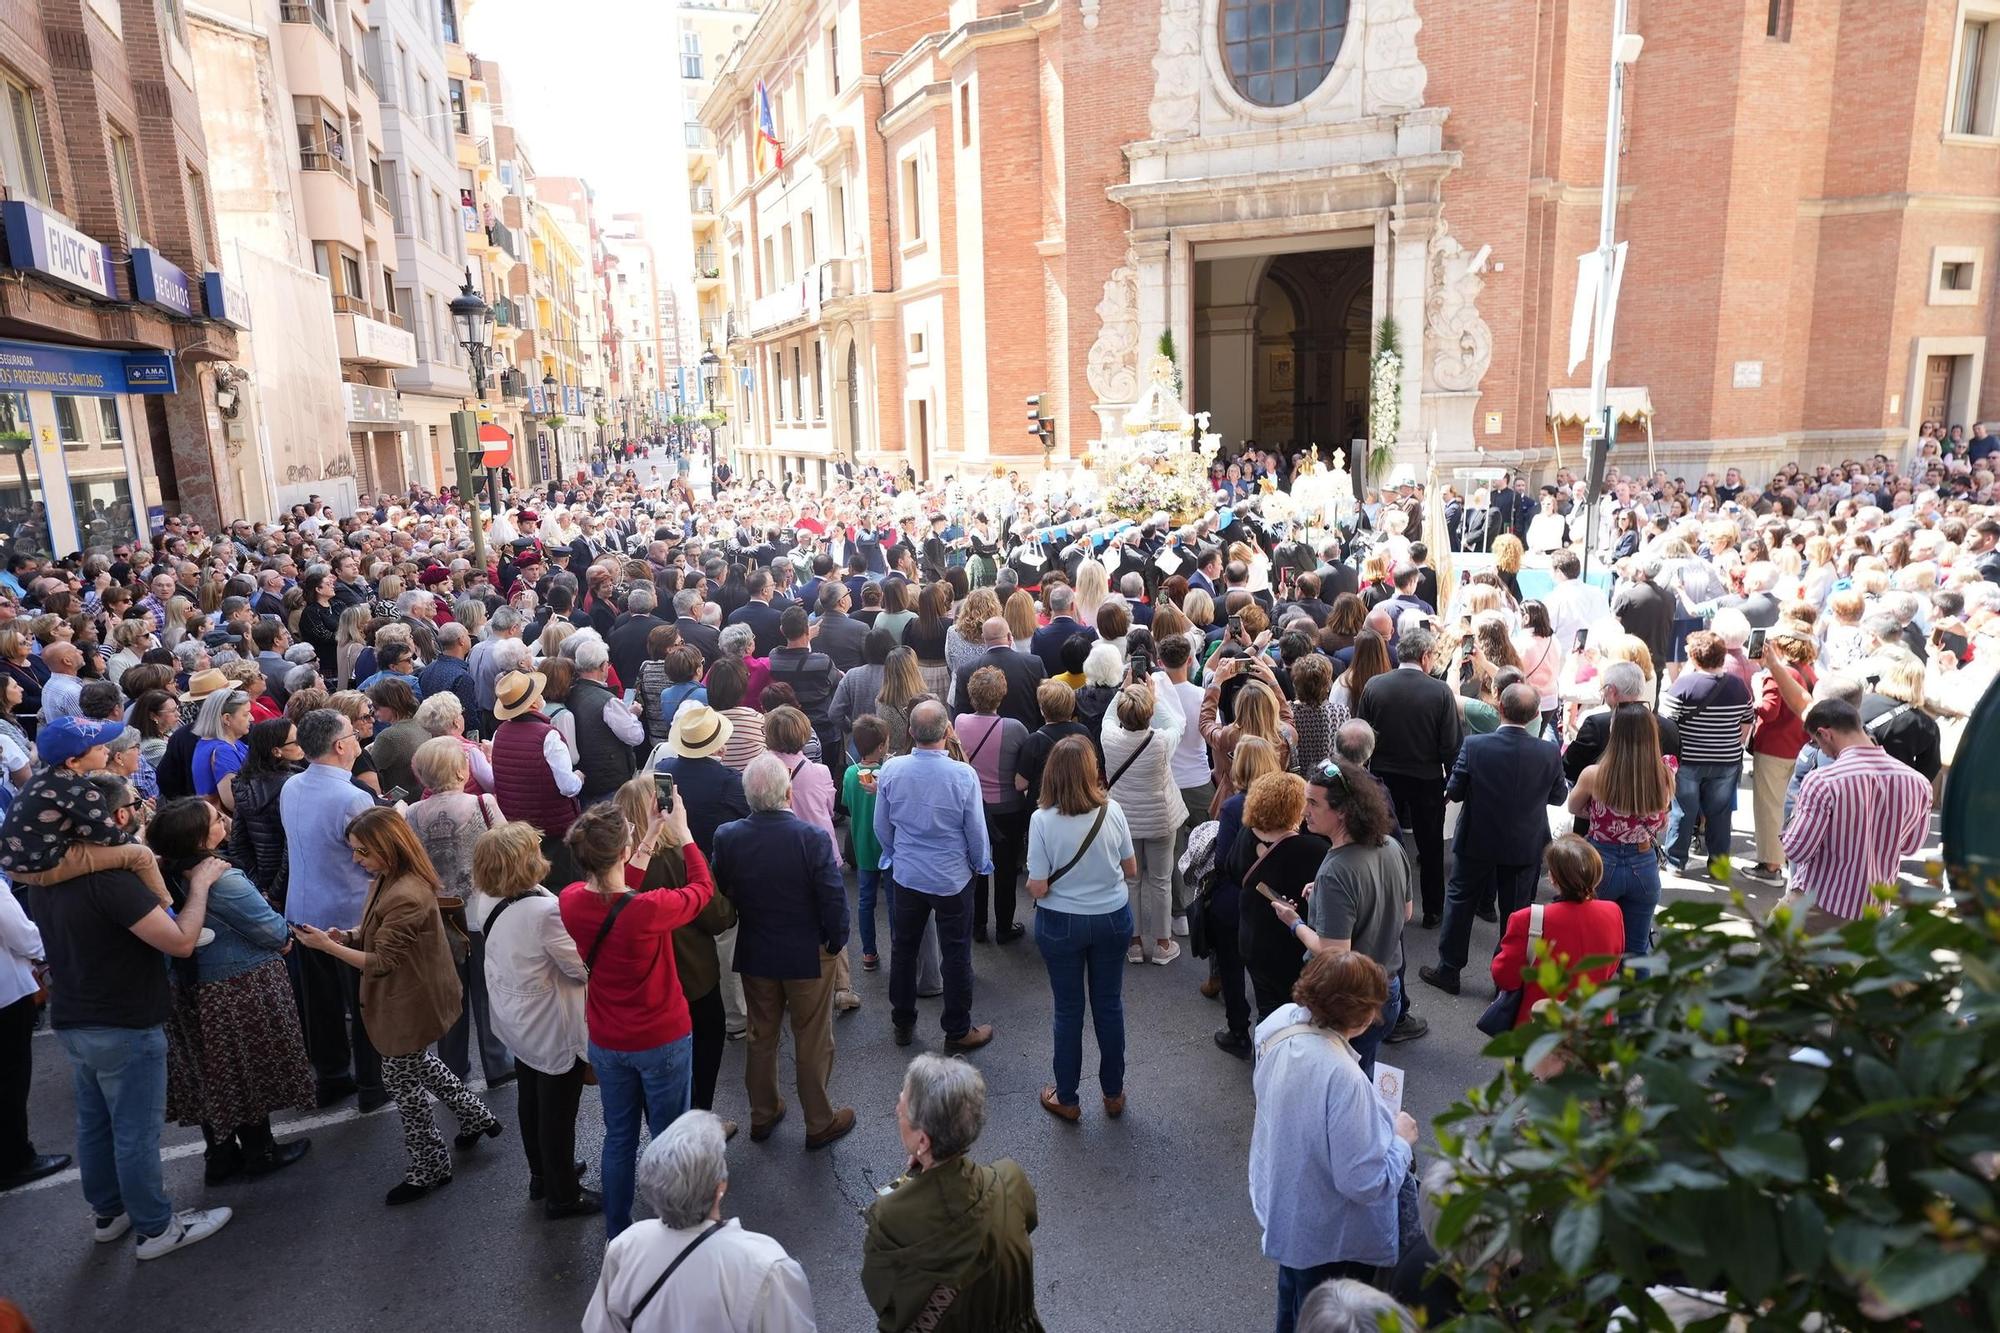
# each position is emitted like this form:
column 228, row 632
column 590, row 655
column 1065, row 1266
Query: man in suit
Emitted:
column 1024, row 672
column 272, row 639
column 1335, row 577
column 1049, row 639
column 1504, row 781
column 1646, row 611
column 1305, row 589
column 840, row 635
column 783, row 875
column 629, row 632
column 687, row 619
column 1418, row 730
column 758, row 613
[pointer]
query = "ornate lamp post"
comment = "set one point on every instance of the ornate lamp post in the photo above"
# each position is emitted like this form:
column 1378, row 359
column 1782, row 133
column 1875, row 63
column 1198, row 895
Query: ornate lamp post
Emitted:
column 710, row 364
column 549, row 387
column 473, row 321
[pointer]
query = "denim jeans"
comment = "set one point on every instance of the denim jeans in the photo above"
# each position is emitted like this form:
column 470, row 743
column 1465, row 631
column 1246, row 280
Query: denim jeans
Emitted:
column 455, row 1046
column 1632, row 880
column 656, row 1082
column 1085, row 954
column 119, row 1078
column 1702, row 791
column 1369, row 1042
column 868, row 884
column 1295, row 1284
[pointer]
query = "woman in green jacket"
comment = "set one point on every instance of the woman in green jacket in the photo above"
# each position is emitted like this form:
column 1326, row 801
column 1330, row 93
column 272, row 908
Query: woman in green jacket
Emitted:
column 949, row 1239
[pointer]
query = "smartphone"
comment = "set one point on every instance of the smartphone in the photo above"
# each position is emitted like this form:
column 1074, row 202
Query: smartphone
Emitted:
column 1142, row 667
column 395, row 794
column 1236, row 626
column 472, row 734
column 1755, row 648
column 1582, row 637
column 663, row 787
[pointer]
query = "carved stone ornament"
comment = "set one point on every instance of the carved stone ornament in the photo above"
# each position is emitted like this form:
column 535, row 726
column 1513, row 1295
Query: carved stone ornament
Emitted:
column 1114, row 355
column 1175, row 112
column 1461, row 344
column 1395, row 75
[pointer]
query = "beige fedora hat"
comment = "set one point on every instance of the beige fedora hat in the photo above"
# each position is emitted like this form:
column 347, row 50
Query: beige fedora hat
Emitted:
column 699, row 731
column 518, row 692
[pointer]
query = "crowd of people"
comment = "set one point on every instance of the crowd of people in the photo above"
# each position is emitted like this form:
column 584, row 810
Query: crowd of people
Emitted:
column 588, row 812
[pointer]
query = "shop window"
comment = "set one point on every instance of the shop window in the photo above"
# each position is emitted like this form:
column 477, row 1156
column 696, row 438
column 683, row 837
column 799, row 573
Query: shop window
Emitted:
column 22, row 508
column 125, row 179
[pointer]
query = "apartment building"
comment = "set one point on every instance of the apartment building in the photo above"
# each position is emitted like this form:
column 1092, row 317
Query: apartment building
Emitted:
column 643, row 377
column 113, row 261
column 420, row 109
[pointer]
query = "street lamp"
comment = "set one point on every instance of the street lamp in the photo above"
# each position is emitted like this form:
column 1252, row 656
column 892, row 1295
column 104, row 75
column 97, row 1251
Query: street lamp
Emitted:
column 549, row 387
column 597, row 401
column 710, row 363
column 473, row 320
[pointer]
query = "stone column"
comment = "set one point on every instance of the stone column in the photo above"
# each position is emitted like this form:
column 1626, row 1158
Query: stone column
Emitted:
column 1227, row 339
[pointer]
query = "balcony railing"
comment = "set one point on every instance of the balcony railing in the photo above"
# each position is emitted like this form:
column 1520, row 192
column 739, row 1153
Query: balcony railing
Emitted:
column 701, row 199
column 704, row 263
column 392, row 317
column 350, row 305
column 382, row 201
column 306, row 11
column 313, row 160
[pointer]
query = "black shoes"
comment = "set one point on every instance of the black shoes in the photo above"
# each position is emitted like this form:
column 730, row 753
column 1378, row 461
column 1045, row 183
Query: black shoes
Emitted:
column 587, row 1203
column 407, row 1192
column 274, row 1157
column 538, row 1191
column 36, row 1168
column 979, row 934
column 1444, row 978
column 222, row 1162
column 371, row 1099
column 334, row 1091
column 1431, row 920
column 1008, row 934
column 470, row 1138
column 904, row 1035
column 1235, row 1043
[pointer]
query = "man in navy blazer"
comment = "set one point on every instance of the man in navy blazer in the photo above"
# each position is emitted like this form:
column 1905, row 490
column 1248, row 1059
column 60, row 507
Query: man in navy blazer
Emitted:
column 783, row 876
column 1505, row 782
column 1048, row 640
column 758, row 613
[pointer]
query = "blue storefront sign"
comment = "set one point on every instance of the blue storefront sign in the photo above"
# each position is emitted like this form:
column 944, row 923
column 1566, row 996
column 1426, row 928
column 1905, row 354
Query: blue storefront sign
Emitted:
column 44, row 367
column 160, row 283
column 40, row 242
column 535, row 404
column 225, row 300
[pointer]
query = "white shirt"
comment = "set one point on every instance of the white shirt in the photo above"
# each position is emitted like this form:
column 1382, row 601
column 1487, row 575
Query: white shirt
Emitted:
column 737, row 1282
column 20, row 945
column 568, row 781
column 535, row 984
column 1191, row 755
column 1574, row 604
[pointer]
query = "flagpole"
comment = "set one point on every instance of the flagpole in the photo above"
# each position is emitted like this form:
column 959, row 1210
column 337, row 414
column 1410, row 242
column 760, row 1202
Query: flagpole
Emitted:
column 1622, row 54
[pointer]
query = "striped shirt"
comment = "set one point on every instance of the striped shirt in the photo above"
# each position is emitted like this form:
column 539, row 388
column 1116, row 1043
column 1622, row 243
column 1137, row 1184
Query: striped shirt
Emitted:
column 1856, row 819
column 1710, row 710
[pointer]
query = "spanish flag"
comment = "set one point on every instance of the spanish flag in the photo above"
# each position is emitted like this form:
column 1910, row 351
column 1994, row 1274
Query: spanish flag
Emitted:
column 767, row 131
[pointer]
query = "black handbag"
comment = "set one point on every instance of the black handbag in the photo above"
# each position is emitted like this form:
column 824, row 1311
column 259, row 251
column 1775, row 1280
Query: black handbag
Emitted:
column 1504, row 1013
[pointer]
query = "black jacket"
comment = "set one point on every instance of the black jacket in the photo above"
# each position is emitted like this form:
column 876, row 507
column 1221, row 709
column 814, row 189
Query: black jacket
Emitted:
column 840, row 637
column 1024, row 672
column 627, row 643
column 1418, row 728
column 704, row 637
column 1505, row 780
column 257, row 837
column 762, row 618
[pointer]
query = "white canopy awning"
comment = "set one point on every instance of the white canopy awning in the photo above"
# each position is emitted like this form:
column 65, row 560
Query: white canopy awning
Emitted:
column 1571, row 407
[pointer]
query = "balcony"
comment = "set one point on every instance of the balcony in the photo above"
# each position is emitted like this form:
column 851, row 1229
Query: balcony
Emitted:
column 701, row 201
column 382, row 202
column 713, row 332
column 315, row 12
column 699, row 139
column 837, row 278
column 347, row 69
column 792, row 303
column 513, row 384
column 373, row 342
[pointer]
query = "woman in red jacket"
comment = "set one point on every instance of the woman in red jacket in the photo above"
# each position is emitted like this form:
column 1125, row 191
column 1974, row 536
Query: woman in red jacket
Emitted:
column 641, row 1038
column 1576, row 926
column 1786, row 693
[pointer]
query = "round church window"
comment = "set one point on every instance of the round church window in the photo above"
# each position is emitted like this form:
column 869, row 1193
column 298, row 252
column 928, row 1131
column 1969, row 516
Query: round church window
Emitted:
column 1278, row 51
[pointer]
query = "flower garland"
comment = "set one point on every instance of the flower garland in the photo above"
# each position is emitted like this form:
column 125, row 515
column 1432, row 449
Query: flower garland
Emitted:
column 1385, row 397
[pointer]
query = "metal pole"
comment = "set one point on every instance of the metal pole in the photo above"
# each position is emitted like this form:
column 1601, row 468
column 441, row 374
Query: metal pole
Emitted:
column 1607, row 257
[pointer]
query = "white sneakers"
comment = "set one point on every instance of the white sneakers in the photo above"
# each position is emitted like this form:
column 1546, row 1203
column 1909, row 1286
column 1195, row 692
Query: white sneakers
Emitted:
column 188, row 1228
column 108, row 1229
column 1180, row 926
column 1167, row 955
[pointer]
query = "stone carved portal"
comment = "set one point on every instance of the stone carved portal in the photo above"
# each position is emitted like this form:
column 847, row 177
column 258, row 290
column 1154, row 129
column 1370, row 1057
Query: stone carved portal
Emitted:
column 1114, row 355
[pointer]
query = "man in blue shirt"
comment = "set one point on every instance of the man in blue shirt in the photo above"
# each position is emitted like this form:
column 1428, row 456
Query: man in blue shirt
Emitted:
column 328, row 890
column 932, row 826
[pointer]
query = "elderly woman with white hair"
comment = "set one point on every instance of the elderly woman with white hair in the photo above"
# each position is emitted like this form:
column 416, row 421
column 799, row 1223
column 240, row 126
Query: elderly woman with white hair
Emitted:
column 690, row 1268
column 223, row 723
column 948, row 1240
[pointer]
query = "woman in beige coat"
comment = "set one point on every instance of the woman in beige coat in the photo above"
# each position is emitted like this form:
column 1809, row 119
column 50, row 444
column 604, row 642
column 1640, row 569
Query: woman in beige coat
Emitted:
column 410, row 993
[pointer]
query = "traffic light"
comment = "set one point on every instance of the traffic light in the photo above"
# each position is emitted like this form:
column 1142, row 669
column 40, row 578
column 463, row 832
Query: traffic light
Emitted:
column 1041, row 426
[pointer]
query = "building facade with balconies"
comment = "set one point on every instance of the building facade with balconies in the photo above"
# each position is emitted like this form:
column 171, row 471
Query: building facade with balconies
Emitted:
column 839, row 306
column 420, row 109
column 645, row 381
column 109, row 245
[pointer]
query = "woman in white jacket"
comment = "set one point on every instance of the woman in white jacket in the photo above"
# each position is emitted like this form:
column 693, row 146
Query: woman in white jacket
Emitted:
column 535, row 982
column 1139, row 740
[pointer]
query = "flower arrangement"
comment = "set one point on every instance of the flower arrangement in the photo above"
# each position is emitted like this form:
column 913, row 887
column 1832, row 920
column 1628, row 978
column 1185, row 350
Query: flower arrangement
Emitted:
column 1152, row 474
column 1385, row 396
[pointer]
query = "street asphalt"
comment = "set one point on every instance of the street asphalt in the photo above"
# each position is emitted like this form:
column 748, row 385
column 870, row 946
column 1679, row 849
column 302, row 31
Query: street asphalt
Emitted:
column 1145, row 1222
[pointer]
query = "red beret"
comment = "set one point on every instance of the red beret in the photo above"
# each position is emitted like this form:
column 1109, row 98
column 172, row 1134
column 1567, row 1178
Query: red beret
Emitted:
column 433, row 576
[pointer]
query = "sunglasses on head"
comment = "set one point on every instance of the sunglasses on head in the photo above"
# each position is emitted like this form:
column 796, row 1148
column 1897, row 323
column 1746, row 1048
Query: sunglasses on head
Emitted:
column 1329, row 774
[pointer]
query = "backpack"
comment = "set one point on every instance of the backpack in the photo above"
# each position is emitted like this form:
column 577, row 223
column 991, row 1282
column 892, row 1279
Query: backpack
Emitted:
column 1197, row 866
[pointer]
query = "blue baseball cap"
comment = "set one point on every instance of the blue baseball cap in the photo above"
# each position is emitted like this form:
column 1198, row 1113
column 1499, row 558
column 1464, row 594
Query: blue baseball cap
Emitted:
column 67, row 738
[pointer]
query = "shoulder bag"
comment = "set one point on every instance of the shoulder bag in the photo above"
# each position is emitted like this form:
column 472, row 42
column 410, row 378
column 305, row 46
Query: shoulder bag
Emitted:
column 632, row 1319
column 1082, row 847
column 1130, row 759
column 1504, row 1013
column 604, row 931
